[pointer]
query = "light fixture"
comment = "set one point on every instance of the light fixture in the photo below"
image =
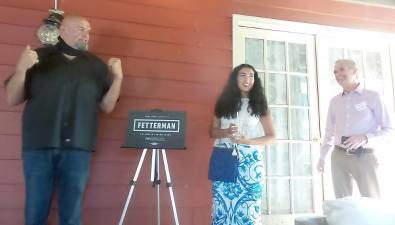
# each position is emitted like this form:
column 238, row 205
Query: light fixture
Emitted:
column 48, row 32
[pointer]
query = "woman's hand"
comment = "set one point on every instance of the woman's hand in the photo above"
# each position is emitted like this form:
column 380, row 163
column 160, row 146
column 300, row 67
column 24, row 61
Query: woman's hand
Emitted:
column 240, row 139
column 231, row 131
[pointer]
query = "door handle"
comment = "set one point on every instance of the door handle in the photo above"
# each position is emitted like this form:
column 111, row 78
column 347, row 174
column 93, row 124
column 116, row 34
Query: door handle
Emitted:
column 316, row 139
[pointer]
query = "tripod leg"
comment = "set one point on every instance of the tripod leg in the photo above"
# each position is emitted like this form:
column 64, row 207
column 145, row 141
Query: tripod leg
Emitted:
column 157, row 183
column 155, row 179
column 153, row 165
column 133, row 184
column 169, row 185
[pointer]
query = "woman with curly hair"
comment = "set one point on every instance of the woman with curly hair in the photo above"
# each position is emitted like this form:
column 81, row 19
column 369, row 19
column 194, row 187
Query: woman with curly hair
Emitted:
column 242, row 117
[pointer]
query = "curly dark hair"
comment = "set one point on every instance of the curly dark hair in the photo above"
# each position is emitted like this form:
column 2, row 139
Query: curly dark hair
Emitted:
column 229, row 102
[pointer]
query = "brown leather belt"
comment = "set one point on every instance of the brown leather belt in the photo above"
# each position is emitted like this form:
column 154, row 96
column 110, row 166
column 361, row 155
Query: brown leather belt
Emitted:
column 364, row 150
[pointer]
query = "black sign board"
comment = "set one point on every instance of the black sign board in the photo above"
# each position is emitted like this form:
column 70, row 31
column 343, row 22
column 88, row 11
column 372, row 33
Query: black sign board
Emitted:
column 156, row 130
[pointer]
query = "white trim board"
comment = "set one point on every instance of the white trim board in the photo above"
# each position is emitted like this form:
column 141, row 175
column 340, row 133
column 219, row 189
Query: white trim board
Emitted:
column 305, row 28
column 378, row 5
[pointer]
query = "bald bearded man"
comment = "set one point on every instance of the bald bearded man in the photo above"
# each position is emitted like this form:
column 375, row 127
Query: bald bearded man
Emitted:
column 64, row 87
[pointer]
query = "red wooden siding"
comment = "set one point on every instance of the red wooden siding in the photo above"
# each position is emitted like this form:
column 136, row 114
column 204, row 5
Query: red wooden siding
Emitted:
column 176, row 55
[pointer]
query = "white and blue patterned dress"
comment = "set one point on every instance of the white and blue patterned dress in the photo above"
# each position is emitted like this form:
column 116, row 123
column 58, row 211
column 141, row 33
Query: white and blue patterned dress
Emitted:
column 240, row 203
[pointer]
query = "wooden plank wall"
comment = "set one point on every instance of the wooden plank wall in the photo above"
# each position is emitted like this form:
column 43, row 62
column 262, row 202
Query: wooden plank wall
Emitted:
column 176, row 56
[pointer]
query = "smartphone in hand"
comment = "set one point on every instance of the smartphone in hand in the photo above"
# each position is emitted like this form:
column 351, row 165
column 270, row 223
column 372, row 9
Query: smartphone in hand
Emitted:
column 357, row 151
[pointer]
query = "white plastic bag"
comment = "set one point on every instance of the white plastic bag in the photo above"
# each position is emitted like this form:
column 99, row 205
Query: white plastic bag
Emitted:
column 359, row 211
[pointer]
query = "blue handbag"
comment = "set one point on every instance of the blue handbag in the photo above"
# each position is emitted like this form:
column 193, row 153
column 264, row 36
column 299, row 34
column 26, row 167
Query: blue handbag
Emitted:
column 223, row 164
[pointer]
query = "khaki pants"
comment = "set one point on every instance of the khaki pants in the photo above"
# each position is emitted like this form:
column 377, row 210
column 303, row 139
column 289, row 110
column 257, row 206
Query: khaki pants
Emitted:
column 363, row 169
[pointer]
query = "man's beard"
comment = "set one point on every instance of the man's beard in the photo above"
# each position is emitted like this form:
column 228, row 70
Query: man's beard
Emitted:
column 82, row 45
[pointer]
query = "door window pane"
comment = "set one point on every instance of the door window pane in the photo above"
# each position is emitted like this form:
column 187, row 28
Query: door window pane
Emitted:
column 254, row 52
column 275, row 56
column 299, row 91
column 280, row 122
column 262, row 78
column 280, row 199
column 333, row 55
column 297, row 58
column 264, row 159
column 302, row 160
column 373, row 65
column 300, row 126
column 265, row 199
column 279, row 160
column 303, row 196
column 277, row 89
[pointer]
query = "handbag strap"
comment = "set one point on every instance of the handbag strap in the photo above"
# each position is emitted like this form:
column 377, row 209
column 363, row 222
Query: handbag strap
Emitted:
column 235, row 151
column 235, row 145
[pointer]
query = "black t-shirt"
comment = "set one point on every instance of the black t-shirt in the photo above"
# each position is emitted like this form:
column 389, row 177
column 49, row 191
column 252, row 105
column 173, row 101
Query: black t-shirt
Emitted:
column 63, row 98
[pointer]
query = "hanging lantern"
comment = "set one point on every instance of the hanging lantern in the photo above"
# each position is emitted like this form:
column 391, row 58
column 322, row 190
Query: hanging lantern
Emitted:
column 48, row 32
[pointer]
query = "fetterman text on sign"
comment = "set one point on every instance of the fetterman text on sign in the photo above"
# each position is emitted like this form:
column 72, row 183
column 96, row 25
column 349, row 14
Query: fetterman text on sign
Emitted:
column 156, row 125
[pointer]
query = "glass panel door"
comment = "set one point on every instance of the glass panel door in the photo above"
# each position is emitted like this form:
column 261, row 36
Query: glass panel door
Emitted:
column 286, row 64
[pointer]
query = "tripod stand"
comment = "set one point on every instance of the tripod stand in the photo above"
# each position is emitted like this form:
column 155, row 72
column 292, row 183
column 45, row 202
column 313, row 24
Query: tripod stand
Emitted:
column 155, row 179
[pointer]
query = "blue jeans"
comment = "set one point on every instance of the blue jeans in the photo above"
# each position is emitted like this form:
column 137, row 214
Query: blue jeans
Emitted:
column 47, row 170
